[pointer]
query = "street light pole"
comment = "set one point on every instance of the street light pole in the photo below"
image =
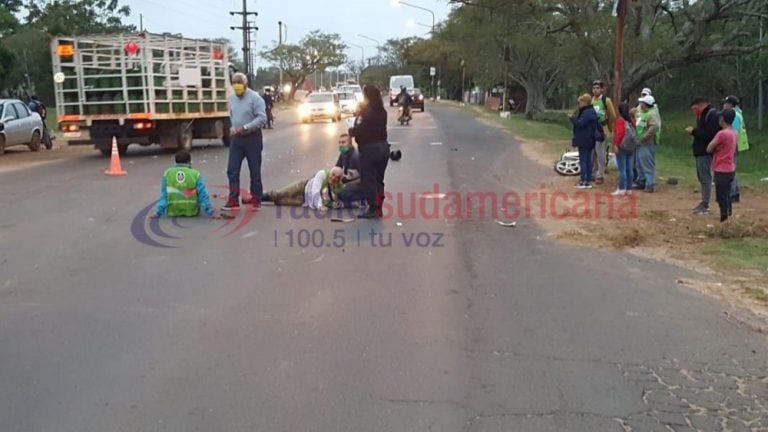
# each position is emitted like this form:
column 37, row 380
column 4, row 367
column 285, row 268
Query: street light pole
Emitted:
column 280, row 43
column 362, row 58
column 378, row 44
column 421, row 8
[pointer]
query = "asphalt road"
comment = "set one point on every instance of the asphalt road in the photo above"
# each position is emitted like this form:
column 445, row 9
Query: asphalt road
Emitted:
column 108, row 323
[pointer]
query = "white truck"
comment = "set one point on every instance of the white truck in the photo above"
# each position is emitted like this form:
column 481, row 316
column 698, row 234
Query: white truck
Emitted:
column 141, row 89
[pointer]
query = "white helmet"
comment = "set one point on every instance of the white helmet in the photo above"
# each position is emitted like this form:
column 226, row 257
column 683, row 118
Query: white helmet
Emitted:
column 646, row 92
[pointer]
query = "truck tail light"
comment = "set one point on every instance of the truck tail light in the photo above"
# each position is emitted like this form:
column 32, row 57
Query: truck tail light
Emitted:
column 70, row 127
column 143, row 125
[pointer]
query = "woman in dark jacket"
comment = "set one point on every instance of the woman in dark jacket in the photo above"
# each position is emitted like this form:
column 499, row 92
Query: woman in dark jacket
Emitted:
column 370, row 133
column 584, row 128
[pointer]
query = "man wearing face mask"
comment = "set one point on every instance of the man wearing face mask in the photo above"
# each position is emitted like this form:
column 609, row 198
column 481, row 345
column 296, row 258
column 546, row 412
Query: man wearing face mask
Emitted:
column 349, row 162
column 247, row 112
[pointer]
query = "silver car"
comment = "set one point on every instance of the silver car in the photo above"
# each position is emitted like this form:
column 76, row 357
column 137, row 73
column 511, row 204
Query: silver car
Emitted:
column 19, row 125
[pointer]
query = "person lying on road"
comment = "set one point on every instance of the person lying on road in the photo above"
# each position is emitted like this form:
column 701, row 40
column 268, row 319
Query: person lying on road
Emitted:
column 318, row 193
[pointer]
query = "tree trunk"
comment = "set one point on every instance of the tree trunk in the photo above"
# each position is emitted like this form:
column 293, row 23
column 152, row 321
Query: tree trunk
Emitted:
column 535, row 99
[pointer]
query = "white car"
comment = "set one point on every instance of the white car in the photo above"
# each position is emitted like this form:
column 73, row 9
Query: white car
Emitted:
column 353, row 88
column 349, row 103
column 19, row 125
column 321, row 105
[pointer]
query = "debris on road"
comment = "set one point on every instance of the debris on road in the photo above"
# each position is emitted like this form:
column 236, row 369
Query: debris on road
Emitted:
column 672, row 181
column 507, row 224
column 399, row 224
column 343, row 220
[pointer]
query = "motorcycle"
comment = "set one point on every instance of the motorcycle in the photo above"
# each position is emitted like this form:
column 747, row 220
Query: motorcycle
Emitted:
column 568, row 165
column 405, row 115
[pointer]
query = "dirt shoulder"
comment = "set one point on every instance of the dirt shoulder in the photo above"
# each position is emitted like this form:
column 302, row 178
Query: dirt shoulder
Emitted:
column 730, row 259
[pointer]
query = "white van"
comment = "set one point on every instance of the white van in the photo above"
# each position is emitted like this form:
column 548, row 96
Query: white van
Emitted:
column 397, row 81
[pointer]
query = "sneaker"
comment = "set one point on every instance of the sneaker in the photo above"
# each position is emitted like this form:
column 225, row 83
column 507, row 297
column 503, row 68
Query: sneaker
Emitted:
column 255, row 202
column 579, row 185
column 701, row 211
column 586, row 186
column 638, row 186
column 231, row 205
column 649, row 190
column 735, row 198
column 618, row 192
column 370, row 214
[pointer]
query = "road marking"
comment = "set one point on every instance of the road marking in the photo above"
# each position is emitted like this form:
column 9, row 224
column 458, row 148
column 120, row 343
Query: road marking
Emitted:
column 436, row 143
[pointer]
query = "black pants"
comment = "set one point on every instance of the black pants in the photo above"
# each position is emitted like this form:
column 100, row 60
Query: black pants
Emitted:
column 374, row 158
column 723, row 192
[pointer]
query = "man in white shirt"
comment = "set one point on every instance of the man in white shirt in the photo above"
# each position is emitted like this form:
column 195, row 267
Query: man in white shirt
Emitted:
column 318, row 193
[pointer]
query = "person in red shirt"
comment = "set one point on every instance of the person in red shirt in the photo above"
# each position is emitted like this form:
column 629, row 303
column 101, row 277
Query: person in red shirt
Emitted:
column 723, row 147
column 624, row 158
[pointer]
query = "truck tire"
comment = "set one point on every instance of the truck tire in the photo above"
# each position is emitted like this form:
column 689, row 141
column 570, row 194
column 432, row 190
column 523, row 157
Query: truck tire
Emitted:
column 34, row 144
column 122, row 149
column 225, row 140
column 107, row 152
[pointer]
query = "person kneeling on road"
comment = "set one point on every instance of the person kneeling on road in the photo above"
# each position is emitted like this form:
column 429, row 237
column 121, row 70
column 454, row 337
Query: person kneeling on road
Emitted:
column 182, row 191
column 349, row 162
column 318, row 193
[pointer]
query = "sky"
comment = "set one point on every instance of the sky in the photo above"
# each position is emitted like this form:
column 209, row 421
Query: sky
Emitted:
column 376, row 19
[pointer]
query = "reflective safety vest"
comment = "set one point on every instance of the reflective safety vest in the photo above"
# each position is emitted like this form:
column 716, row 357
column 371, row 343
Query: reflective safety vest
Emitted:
column 642, row 121
column 743, row 143
column 181, row 186
column 329, row 195
column 601, row 109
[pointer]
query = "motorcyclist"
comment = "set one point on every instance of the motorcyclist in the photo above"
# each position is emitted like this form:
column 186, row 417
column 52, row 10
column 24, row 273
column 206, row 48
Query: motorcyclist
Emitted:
column 405, row 100
column 270, row 103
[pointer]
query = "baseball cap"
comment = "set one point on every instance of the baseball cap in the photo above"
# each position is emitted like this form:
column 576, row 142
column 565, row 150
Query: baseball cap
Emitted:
column 648, row 100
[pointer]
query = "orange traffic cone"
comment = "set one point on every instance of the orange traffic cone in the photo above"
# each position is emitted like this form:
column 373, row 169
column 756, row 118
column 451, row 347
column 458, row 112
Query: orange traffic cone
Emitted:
column 114, row 164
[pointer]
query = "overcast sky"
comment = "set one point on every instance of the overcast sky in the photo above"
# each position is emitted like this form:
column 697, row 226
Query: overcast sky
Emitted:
column 377, row 19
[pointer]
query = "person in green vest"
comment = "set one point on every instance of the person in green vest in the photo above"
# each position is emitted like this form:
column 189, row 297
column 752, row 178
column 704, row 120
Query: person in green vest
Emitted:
column 606, row 117
column 182, row 191
column 318, row 193
column 732, row 102
column 648, row 133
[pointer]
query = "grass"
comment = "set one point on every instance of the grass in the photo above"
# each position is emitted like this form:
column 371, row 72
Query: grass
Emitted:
column 749, row 253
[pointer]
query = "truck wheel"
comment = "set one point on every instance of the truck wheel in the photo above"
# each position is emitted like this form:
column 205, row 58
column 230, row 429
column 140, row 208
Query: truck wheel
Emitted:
column 225, row 140
column 106, row 151
column 34, row 145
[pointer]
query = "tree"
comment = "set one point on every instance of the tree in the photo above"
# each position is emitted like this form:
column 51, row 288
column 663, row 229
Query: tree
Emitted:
column 314, row 52
column 75, row 17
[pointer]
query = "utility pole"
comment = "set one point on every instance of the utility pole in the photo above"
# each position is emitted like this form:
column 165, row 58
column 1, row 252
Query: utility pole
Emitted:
column 280, row 43
column 621, row 16
column 141, row 22
column 246, row 28
column 760, row 90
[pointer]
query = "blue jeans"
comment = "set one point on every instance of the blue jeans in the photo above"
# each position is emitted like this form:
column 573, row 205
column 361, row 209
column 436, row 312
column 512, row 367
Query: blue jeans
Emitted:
column 646, row 164
column 624, row 162
column 585, row 163
column 247, row 147
column 351, row 194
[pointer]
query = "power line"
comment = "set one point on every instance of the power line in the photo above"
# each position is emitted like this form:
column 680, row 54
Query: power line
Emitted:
column 247, row 27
